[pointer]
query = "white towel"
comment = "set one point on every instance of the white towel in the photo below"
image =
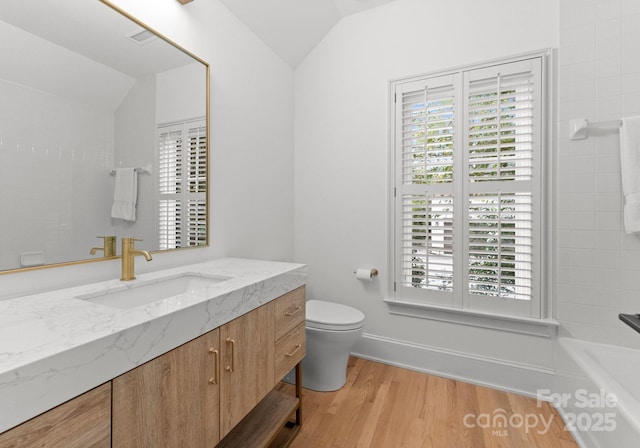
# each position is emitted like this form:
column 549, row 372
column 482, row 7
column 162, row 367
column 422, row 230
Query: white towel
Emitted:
column 630, row 158
column 125, row 194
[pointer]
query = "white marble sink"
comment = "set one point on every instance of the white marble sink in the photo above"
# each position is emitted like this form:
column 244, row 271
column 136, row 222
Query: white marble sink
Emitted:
column 137, row 294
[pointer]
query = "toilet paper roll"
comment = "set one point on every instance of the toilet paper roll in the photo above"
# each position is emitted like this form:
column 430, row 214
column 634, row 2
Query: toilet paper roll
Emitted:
column 365, row 274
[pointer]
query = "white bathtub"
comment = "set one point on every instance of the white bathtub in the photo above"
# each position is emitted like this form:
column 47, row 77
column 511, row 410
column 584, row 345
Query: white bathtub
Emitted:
column 600, row 386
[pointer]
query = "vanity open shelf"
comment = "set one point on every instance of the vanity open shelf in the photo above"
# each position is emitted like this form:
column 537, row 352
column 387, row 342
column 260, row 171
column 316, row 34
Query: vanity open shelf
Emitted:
column 274, row 422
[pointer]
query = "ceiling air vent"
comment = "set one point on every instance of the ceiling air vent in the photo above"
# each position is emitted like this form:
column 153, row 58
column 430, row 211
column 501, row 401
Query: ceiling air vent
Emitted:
column 141, row 36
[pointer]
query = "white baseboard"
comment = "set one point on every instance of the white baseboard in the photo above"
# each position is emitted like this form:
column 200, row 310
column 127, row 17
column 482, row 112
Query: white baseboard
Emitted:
column 498, row 374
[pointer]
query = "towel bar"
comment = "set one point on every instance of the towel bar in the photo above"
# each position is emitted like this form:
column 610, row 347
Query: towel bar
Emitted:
column 143, row 170
column 578, row 127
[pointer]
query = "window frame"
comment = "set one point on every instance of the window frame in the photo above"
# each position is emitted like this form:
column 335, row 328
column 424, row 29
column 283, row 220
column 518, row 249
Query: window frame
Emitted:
column 458, row 310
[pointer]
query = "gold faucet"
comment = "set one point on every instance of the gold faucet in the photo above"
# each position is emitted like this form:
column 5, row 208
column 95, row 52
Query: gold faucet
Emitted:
column 108, row 247
column 128, row 255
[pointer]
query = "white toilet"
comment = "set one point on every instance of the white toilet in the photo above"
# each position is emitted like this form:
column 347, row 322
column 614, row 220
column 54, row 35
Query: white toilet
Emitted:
column 332, row 331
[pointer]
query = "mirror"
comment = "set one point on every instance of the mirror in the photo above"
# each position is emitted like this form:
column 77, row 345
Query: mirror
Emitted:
column 85, row 91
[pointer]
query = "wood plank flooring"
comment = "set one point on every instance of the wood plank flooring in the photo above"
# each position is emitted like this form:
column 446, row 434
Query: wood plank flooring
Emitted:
column 383, row 406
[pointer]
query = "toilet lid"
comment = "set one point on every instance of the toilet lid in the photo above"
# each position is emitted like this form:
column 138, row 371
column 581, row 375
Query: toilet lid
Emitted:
column 333, row 316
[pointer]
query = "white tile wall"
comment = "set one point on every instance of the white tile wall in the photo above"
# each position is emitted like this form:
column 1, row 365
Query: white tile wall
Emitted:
column 598, row 78
column 53, row 164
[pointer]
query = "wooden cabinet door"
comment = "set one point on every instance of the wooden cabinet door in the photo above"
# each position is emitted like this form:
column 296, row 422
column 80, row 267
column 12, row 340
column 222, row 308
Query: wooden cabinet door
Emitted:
column 172, row 400
column 82, row 422
column 246, row 344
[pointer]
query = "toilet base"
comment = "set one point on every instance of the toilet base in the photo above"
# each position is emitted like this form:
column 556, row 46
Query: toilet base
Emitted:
column 324, row 378
column 324, row 368
column 323, row 386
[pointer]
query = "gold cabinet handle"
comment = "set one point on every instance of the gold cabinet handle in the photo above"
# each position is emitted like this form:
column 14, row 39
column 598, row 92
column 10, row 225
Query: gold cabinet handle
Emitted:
column 233, row 353
column 216, row 354
column 295, row 311
column 298, row 347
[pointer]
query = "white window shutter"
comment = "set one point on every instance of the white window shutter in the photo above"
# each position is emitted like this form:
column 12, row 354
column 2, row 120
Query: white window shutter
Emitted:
column 197, row 157
column 170, row 223
column 182, row 184
column 197, row 232
column 425, row 138
column 501, row 109
column 468, row 188
column 170, row 154
column 502, row 154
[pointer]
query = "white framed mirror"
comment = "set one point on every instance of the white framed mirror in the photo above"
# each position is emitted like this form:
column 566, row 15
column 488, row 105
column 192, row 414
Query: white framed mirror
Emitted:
column 86, row 92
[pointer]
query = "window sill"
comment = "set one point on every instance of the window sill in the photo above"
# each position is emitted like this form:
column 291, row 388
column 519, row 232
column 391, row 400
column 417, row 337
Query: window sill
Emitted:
column 535, row 327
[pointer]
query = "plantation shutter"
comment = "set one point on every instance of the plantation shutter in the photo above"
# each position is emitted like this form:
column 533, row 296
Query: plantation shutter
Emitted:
column 182, row 187
column 502, row 157
column 170, row 160
column 170, row 224
column 197, row 232
column 197, row 182
column 197, row 157
column 425, row 166
column 170, row 175
column 468, row 188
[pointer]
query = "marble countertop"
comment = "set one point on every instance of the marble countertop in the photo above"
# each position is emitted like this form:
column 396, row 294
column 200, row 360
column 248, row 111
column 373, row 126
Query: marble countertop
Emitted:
column 54, row 346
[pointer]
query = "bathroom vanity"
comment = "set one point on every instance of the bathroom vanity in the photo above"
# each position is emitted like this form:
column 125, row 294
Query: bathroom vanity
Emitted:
column 198, row 367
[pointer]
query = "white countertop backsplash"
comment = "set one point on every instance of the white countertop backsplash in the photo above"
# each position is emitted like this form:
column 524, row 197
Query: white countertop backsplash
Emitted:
column 54, row 347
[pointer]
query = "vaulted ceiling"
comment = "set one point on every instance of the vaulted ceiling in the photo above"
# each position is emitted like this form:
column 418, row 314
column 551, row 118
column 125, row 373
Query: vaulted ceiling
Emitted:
column 292, row 28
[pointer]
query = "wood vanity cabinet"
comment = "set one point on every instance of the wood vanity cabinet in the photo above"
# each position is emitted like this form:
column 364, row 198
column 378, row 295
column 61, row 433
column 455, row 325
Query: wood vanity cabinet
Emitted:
column 247, row 359
column 84, row 421
column 216, row 390
column 275, row 419
column 220, row 384
column 172, row 400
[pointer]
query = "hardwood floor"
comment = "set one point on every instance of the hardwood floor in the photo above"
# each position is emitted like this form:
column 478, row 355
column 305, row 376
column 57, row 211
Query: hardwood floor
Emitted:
column 388, row 407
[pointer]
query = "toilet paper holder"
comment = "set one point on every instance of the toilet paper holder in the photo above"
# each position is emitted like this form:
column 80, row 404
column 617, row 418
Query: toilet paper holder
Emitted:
column 372, row 272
